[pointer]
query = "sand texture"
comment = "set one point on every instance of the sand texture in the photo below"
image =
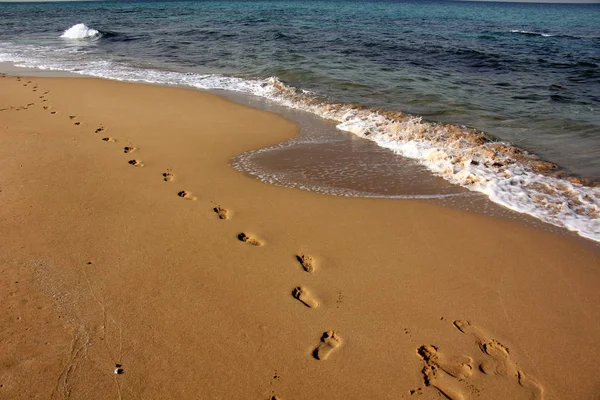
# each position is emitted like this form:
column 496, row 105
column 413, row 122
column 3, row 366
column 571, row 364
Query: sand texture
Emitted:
column 136, row 264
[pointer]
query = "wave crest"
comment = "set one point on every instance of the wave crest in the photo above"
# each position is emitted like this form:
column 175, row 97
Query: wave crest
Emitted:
column 531, row 33
column 81, row 31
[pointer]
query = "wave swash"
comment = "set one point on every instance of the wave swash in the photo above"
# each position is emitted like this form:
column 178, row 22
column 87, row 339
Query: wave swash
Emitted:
column 508, row 175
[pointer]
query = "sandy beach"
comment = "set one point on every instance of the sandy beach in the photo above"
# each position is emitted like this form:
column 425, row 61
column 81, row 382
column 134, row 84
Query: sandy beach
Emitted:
column 137, row 264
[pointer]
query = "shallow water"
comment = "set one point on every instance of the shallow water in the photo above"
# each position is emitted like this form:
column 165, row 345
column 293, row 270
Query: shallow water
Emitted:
column 326, row 160
column 318, row 160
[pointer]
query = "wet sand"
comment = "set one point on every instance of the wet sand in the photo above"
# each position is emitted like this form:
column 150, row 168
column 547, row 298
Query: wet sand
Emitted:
column 138, row 264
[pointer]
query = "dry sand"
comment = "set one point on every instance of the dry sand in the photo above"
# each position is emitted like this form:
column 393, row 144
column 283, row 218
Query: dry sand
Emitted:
column 117, row 266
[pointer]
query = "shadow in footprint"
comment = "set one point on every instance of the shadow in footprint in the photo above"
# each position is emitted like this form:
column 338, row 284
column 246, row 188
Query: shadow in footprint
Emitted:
column 307, row 262
column 305, row 297
column 168, row 176
column 330, row 342
column 247, row 239
column 135, row 163
column 222, row 213
column 185, row 195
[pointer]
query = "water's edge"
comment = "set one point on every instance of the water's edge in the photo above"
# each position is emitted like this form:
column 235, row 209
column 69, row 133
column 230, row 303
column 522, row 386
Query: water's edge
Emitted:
column 317, row 131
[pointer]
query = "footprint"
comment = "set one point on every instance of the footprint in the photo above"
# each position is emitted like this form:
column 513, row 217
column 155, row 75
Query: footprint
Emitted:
column 98, row 130
column 77, row 123
column 128, row 149
column 186, row 195
column 45, row 107
column 253, row 241
column 307, row 262
column 136, row 163
column 108, row 139
column 304, row 296
column 72, row 116
column 221, row 212
column 52, row 112
column 330, row 342
column 500, row 362
column 442, row 382
column 460, row 369
column 168, row 176
column 535, row 388
column 438, row 372
column 466, row 327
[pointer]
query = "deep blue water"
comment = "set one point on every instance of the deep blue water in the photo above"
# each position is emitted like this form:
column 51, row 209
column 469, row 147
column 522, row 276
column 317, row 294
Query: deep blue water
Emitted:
column 523, row 73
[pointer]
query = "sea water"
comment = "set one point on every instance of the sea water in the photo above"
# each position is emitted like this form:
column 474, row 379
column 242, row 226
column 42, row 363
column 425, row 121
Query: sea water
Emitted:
column 501, row 99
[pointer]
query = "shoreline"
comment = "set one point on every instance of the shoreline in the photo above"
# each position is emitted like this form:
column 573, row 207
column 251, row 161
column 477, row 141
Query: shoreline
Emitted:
column 429, row 187
column 554, row 204
column 123, row 268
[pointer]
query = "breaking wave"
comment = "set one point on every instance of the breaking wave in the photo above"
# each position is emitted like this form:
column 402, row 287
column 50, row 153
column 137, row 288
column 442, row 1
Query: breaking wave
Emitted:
column 81, row 31
column 559, row 35
column 531, row 33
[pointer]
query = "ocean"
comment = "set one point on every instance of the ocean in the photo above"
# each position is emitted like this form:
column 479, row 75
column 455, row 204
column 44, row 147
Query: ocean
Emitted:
column 501, row 99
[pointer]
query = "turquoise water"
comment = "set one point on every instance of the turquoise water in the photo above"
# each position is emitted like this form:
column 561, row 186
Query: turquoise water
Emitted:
column 526, row 75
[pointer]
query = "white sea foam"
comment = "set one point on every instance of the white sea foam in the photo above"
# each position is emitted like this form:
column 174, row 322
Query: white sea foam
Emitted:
column 531, row 33
column 80, row 31
column 508, row 176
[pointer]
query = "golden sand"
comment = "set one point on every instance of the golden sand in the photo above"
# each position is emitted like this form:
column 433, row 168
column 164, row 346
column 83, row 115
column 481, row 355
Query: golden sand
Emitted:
column 137, row 264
